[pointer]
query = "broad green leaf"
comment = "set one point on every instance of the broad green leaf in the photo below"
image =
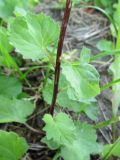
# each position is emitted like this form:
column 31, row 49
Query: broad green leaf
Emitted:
column 83, row 79
column 89, row 106
column 60, row 128
column 74, row 140
column 83, row 146
column 13, row 110
column 112, row 150
column 32, row 35
column 12, row 147
column 10, row 86
column 105, row 45
column 62, row 99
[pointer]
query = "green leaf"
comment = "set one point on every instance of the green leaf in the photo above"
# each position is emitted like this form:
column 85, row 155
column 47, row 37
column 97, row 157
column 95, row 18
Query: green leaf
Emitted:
column 9, row 86
column 107, row 122
column 2, row 62
column 89, row 107
column 14, row 110
column 112, row 150
column 32, row 37
column 84, row 145
column 74, row 141
column 92, row 110
column 59, row 128
column 7, row 7
column 51, row 144
column 105, row 45
column 4, row 42
column 83, row 79
column 85, row 55
column 5, row 49
column 48, row 92
column 62, row 100
column 12, row 147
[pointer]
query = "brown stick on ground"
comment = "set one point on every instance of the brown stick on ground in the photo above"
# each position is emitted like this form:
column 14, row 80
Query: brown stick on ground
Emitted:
column 59, row 53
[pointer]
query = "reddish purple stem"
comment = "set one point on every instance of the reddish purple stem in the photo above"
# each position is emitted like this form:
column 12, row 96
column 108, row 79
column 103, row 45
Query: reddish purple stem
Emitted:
column 59, row 54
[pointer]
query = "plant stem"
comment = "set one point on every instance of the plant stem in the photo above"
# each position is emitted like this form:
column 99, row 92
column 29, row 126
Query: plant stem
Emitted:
column 59, row 53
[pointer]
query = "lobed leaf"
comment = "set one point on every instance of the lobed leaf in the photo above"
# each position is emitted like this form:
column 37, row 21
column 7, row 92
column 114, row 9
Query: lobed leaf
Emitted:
column 10, row 86
column 89, row 106
column 12, row 147
column 74, row 140
column 13, row 110
column 59, row 129
column 83, row 146
column 32, row 35
column 83, row 79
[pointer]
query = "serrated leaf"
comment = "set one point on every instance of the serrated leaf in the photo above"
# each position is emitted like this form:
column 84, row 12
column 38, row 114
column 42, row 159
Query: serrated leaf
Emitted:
column 89, row 106
column 59, row 128
column 13, row 110
column 31, row 36
column 10, row 86
column 112, row 150
column 83, row 79
column 84, row 145
column 62, row 99
column 12, row 147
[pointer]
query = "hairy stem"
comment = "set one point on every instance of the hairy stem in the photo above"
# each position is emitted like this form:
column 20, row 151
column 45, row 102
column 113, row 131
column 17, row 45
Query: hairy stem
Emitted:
column 59, row 54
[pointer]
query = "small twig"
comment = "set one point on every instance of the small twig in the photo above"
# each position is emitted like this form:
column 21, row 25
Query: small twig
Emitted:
column 33, row 129
column 59, row 53
column 104, row 136
column 36, row 147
